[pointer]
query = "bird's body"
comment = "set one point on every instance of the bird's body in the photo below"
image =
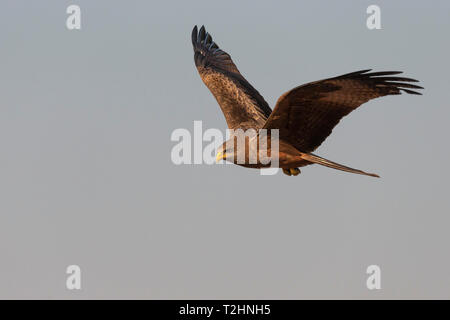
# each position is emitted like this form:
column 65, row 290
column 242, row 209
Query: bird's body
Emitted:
column 303, row 116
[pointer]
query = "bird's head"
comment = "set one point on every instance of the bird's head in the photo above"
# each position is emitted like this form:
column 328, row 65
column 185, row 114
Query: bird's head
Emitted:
column 225, row 152
column 237, row 150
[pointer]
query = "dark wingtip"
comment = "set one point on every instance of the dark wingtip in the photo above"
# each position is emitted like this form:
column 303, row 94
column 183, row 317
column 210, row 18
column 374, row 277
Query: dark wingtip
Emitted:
column 354, row 74
column 412, row 91
column 194, row 35
column 384, row 73
column 387, row 78
column 208, row 39
column 201, row 33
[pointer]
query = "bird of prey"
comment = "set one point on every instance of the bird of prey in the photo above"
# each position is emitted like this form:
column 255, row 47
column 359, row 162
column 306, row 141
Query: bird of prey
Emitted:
column 304, row 116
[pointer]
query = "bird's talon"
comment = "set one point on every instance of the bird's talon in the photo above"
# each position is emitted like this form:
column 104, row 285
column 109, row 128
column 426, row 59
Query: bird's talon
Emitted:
column 291, row 171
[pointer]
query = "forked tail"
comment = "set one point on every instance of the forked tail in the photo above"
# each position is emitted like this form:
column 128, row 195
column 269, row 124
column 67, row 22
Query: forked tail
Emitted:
column 327, row 163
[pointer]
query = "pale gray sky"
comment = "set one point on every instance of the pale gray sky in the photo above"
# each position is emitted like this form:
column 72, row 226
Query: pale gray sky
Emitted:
column 86, row 176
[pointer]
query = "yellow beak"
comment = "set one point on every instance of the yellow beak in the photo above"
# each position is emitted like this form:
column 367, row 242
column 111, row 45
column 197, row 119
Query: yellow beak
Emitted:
column 220, row 156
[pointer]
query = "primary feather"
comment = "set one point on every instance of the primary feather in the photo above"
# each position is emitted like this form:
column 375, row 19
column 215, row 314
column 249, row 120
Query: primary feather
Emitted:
column 241, row 104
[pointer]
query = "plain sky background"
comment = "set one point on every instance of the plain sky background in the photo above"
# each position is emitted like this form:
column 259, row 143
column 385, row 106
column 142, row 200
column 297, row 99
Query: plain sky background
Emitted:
column 86, row 176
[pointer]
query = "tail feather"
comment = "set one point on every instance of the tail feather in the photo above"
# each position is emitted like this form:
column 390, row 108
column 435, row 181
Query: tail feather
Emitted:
column 327, row 163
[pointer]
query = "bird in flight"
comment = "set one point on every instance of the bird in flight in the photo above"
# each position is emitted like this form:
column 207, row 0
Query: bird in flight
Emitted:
column 305, row 116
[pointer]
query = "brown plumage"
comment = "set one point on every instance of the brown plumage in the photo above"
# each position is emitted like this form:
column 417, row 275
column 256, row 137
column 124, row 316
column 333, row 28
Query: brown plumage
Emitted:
column 305, row 115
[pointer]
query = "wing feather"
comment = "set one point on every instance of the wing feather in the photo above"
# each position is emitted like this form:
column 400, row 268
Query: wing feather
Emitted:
column 306, row 115
column 241, row 104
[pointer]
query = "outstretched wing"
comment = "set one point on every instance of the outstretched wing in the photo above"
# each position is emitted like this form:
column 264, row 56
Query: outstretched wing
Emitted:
column 306, row 115
column 241, row 104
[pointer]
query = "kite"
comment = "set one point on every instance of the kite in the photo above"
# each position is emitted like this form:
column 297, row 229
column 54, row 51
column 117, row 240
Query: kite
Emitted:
column 305, row 116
